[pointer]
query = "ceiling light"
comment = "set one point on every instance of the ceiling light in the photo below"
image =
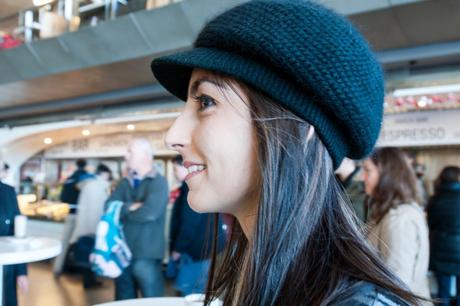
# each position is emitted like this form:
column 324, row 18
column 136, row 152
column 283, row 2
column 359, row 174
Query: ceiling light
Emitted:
column 426, row 90
column 130, row 127
column 86, row 132
column 42, row 2
column 423, row 102
column 48, row 140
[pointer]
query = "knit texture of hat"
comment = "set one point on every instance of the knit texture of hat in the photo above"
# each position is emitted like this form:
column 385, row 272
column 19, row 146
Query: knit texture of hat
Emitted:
column 304, row 56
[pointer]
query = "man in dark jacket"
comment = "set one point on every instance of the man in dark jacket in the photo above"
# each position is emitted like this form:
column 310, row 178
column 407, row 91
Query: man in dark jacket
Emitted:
column 444, row 222
column 12, row 274
column 144, row 194
column 70, row 190
column 191, row 233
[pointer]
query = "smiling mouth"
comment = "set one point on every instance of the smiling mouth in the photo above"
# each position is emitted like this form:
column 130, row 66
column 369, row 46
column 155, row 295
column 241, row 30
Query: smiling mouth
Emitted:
column 194, row 170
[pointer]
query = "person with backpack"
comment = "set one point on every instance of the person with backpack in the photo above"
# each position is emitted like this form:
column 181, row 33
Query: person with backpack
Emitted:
column 144, row 194
column 69, row 194
column 94, row 192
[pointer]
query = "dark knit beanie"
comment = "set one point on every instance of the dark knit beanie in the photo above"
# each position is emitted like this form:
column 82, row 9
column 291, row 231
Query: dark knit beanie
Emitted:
column 304, row 56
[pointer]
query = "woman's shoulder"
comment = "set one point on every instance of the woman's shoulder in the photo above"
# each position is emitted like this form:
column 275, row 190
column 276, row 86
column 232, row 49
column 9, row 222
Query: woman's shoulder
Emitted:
column 403, row 217
column 364, row 293
column 406, row 211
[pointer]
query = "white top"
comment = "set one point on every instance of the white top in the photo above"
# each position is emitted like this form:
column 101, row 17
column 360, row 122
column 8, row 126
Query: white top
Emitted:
column 22, row 250
column 93, row 194
column 401, row 238
column 165, row 301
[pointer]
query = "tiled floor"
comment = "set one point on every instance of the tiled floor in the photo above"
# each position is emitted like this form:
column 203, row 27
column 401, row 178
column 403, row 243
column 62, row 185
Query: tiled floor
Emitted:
column 45, row 290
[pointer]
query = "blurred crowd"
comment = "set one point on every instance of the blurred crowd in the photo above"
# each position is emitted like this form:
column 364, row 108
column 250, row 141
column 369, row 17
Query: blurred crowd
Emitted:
column 412, row 232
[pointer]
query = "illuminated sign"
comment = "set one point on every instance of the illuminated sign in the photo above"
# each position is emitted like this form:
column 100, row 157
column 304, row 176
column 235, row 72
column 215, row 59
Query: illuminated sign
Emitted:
column 427, row 128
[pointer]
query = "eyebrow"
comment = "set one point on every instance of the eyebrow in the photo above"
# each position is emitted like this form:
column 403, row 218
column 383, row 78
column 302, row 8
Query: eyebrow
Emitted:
column 197, row 83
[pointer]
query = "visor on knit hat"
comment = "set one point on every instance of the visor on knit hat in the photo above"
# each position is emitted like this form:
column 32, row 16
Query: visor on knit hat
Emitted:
column 304, row 56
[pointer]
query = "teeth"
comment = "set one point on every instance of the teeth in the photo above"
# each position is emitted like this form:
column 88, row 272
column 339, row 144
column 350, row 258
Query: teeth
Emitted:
column 195, row 168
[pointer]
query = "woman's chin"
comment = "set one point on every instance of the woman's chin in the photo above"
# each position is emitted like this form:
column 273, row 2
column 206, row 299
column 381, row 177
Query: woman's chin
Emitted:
column 196, row 208
column 205, row 203
column 197, row 205
column 201, row 207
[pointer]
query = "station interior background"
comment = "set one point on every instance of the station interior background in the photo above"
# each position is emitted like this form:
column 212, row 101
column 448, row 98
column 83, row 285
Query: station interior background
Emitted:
column 75, row 82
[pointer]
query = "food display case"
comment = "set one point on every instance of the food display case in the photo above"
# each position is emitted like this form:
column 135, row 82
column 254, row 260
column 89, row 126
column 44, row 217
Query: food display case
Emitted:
column 44, row 209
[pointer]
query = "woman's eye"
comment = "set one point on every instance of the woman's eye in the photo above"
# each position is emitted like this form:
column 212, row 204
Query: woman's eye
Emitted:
column 205, row 102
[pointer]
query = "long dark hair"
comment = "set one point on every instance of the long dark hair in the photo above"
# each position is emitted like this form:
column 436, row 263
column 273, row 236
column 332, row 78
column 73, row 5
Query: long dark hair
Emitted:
column 397, row 182
column 306, row 248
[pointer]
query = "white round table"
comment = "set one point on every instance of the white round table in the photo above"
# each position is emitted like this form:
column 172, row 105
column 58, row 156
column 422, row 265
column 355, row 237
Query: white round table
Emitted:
column 164, row 301
column 22, row 250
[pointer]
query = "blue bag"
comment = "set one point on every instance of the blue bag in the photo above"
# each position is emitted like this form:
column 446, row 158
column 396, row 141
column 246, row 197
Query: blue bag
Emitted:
column 171, row 269
column 192, row 276
column 111, row 254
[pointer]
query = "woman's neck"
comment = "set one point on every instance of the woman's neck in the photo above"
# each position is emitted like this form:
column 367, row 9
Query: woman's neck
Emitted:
column 247, row 223
column 247, row 217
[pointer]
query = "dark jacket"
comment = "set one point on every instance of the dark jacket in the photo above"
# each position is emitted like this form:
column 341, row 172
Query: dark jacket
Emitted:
column 444, row 223
column 364, row 294
column 192, row 232
column 144, row 227
column 8, row 210
column 70, row 191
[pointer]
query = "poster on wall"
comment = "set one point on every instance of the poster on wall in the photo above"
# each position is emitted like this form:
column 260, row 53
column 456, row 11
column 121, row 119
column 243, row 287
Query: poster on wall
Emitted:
column 424, row 128
column 104, row 146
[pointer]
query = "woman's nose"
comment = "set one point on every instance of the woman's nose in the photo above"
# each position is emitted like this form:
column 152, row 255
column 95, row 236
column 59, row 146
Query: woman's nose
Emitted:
column 178, row 136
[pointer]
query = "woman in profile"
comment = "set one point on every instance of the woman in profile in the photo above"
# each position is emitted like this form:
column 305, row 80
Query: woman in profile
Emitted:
column 277, row 94
column 399, row 229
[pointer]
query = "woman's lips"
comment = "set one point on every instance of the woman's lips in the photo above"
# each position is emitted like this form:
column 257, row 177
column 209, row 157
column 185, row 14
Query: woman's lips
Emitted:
column 190, row 175
column 193, row 169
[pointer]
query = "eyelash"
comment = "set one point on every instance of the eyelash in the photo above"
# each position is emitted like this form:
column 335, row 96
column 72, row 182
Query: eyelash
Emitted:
column 201, row 99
